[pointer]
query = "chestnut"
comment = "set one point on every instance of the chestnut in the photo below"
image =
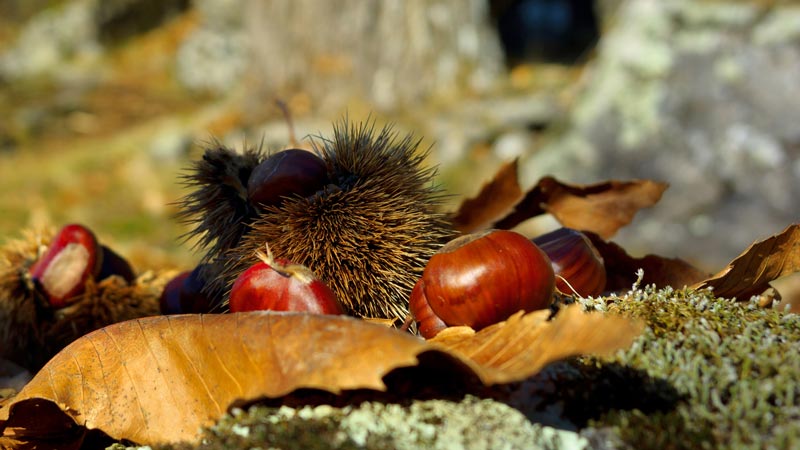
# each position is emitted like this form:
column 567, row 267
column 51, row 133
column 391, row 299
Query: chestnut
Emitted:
column 71, row 259
column 170, row 300
column 185, row 294
column 280, row 285
column 286, row 173
column 481, row 279
column 114, row 264
column 194, row 296
column 578, row 265
column 428, row 323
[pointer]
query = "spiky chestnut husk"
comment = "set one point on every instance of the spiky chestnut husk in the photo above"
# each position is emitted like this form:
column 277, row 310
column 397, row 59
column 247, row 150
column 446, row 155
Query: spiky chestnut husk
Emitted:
column 369, row 233
column 216, row 206
column 31, row 333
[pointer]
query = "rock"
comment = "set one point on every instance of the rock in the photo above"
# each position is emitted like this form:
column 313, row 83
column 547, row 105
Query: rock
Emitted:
column 215, row 56
column 53, row 37
column 390, row 55
column 71, row 36
column 170, row 145
column 703, row 96
column 502, row 119
column 212, row 60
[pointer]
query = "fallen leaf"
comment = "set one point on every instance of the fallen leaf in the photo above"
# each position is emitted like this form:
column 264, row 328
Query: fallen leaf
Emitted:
column 788, row 292
column 764, row 261
column 161, row 379
column 495, row 200
column 602, row 208
column 525, row 343
column 621, row 268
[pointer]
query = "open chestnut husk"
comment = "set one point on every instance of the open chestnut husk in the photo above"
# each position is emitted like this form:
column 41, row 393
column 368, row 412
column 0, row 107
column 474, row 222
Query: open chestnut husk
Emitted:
column 480, row 279
column 71, row 258
column 365, row 215
column 578, row 265
column 33, row 327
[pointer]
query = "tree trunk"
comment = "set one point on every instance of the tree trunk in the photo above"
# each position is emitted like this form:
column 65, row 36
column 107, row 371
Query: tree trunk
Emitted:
column 390, row 53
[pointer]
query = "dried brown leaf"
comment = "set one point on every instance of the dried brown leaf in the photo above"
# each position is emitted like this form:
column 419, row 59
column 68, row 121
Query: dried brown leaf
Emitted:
column 525, row 343
column 495, row 200
column 160, row 379
column 764, row 261
column 602, row 208
column 621, row 268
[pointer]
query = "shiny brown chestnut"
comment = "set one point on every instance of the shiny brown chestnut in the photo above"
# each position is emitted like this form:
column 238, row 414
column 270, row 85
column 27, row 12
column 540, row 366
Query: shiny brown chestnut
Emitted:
column 481, row 279
column 578, row 266
column 428, row 323
column 286, row 173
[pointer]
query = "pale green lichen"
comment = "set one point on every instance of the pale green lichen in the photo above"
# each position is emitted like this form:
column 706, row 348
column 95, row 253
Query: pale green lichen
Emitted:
column 471, row 423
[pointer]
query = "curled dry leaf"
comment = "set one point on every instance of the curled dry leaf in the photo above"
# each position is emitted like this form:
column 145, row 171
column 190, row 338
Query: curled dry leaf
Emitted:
column 526, row 343
column 495, row 200
column 751, row 272
column 161, row 379
column 602, row 208
column 621, row 268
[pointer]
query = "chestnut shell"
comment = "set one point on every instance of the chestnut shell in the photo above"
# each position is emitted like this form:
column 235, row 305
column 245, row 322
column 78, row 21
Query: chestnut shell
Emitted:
column 577, row 263
column 428, row 323
column 72, row 258
column 481, row 279
column 286, row 173
column 279, row 285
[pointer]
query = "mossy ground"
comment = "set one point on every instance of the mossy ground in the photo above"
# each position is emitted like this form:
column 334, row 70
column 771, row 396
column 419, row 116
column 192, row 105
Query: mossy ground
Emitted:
column 707, row 373
column 733, row 365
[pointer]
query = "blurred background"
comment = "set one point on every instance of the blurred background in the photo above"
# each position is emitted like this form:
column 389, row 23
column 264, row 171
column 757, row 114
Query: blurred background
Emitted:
column 104, row 103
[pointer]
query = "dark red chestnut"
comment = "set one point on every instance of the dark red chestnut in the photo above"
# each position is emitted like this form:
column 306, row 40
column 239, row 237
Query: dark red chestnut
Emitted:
column 71, row 259
column 114, row 264
column 185, row 294
column 578, row 266
column 194, row 297
column 279, row 285
column 170, row 300
column 286, row 173
column 481, row 279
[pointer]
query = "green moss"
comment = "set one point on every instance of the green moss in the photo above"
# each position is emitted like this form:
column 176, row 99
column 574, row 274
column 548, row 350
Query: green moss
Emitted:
column 733, row 365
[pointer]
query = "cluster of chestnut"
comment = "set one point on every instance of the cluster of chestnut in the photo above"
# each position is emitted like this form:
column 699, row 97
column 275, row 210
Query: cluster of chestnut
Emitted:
column 282, row 174
column 271, row 284
column 480, row 279
column 474, row 280
column 73, row 258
